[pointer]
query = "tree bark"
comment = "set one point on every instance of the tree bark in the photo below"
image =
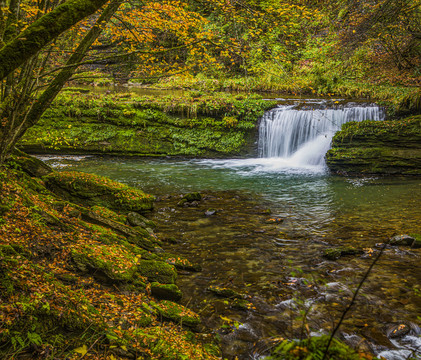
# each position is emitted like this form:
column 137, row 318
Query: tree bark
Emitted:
column 42, row 31
column 26, row 120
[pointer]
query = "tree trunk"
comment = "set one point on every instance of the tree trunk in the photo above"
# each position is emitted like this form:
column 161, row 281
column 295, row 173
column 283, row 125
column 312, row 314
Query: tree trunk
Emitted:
column 42, row 31
column 9, row 138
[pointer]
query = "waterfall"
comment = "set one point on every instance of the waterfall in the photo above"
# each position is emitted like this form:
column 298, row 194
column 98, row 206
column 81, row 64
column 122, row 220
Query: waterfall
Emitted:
column 304, row 136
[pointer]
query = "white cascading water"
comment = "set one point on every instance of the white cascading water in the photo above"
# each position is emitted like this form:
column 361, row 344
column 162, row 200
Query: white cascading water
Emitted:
column 302, row 137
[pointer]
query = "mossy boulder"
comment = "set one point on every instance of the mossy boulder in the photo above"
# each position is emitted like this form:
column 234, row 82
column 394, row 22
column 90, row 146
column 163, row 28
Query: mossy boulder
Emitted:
column 134, row 219
column 377, row 147
column 94, row 190
column 413, row 240
column 106, row 263
column 158, row 271
column 176, row 313
column 194, row 196
column 166, row 291
column 225, row 292
column 109, row 214
column 336, row 253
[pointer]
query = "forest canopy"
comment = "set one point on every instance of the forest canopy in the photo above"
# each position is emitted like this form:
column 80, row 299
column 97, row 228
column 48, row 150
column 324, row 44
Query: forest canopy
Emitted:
column 303, row 43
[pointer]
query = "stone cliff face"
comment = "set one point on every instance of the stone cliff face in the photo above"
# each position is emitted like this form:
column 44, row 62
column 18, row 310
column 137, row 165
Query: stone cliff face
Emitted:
column 377, row 147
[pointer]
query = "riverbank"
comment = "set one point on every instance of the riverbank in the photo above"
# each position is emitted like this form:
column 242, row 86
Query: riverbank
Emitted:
column 84, row 275
column 400, row 100
column 195, row 125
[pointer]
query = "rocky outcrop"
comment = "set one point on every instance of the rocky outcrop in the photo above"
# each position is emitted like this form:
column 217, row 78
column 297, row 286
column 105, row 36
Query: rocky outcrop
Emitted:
column 377, row 147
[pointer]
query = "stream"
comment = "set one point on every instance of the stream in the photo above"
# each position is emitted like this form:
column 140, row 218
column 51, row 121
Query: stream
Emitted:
column 263, row 225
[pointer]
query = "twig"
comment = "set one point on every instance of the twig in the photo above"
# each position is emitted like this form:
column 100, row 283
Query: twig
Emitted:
column 353, row 299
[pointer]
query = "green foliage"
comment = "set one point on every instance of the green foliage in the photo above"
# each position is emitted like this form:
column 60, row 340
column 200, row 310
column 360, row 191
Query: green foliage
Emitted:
column 314, row 349
column 196, row 125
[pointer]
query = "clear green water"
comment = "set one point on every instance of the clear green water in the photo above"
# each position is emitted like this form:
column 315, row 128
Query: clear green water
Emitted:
column 280, row 266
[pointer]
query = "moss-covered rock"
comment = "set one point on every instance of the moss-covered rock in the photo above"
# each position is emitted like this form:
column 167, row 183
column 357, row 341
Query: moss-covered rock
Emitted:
column 166, row 291
column 194, row 196
column 135, row 219
column 412, row 240
column 377, row 147
column 93, row 190
column 104, row 263
column 176, row 313
column 158, row 271
column 336, row 253
column 225, row 292
column 108, row 213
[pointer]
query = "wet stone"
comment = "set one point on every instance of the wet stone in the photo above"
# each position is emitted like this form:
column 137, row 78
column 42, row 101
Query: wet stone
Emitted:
column 398, row 331
column 406, row 240
column 274, row 220
column 210, row 212
column 225, row 292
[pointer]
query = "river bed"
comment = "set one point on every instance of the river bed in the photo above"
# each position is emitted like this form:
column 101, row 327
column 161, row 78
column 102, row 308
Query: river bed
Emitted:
column 266, row 240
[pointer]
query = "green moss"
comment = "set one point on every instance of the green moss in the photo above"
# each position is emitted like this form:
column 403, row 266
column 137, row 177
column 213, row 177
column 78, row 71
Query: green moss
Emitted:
column 336, row 253
column 377, row 147
column 97, row 190
column 106, row 267
column 312, row 349
column 176, row 313
column 158, row 271
column 149, row 125
column 417, row 242
column 166, row 291
column 109, row 214
column 225, row 292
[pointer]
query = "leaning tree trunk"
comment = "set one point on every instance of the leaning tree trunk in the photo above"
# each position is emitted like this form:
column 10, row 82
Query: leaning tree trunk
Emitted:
column 9, row 138
column 29, row 42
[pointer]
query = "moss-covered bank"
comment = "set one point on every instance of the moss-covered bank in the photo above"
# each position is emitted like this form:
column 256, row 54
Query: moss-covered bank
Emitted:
column 377, row 147
column 78, row 280
column 195, row 125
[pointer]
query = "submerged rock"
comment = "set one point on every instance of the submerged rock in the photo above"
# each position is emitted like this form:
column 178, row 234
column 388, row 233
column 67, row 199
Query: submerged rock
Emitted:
column 194, row 196
column 210, row 212
column 336, row 253
column 225, row 292
column 398, row 331
column 412, row 241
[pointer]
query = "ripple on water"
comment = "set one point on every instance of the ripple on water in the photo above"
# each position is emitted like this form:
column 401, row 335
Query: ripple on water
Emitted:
column 237, row 248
